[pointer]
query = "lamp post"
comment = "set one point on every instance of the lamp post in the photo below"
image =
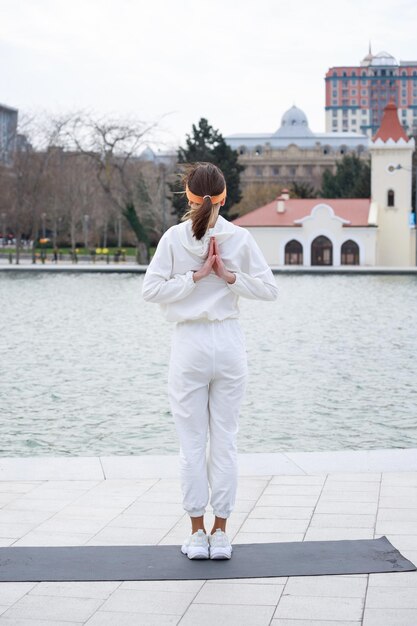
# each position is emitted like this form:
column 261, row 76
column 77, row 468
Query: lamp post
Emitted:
column 119, row 231
column 86, row 218
column 3, row 230
column 43, row 225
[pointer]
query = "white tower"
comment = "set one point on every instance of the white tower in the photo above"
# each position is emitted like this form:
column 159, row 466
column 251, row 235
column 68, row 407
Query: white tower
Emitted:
column 391, row 180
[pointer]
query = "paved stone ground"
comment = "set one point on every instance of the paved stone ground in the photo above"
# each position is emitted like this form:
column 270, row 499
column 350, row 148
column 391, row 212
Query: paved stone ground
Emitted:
column 137, row 500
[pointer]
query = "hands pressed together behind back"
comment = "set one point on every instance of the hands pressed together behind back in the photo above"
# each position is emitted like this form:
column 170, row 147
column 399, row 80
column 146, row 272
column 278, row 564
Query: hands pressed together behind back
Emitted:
column 214, row 262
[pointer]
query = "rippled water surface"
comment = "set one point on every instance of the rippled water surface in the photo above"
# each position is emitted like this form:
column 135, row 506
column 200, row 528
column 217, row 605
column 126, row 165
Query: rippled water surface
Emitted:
column 332, row 362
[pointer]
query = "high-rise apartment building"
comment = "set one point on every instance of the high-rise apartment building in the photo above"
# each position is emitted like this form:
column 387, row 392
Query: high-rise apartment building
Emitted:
column 8, row 129
column 356, row 95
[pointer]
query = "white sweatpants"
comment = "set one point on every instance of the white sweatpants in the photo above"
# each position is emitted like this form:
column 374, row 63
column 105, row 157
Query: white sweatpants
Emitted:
column 206, row 384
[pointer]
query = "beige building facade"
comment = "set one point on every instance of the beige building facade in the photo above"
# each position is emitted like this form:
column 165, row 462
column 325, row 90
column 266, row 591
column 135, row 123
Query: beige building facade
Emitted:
column 376, row 231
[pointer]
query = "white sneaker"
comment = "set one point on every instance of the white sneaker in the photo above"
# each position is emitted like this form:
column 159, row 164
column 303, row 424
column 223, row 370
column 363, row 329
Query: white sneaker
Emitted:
column 196, row 546
column 220, row 546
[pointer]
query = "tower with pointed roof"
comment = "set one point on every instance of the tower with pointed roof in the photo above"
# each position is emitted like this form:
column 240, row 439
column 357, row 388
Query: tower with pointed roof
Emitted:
column 391, row 181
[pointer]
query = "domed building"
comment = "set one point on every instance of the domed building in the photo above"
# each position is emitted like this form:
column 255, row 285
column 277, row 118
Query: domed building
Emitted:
column 293, row 153
column 376, row 231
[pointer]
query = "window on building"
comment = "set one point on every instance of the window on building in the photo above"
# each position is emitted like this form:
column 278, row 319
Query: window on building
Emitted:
column 322, row 251
column 334, row 113
column 293, row 253
column 258, row 150
column 349, row 253
column 258, row 171
column 275, row 171
column 390, row 198
column 242, row 150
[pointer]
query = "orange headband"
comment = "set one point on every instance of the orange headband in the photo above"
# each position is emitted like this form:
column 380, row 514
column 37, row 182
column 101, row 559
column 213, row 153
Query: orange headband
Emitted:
column 200, row 199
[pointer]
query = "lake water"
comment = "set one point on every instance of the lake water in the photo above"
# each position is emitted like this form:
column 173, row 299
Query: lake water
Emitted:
column 332, row 365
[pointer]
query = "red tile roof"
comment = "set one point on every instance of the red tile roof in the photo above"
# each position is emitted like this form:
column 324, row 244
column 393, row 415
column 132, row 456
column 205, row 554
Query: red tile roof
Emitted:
column 356, row 210
column 390, row 125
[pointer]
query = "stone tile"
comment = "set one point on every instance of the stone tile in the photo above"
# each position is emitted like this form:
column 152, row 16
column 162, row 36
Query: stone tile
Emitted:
column 6, row 541
column 359, row 508
column 379, row 597
column 399, row 491
column 309, row 622
column 328, row 520
column 75, row 589
column 49, row 467
column 10, row 516
column 393, row 502
column 390, row 617
column 367, row 477
column 239, row 594
column 288, row 500
column 335, row 534
column 267, row 580
column 242, row 506
column 15, row 530
column 274, row 525
column 36, row 622
column 384, row 527
column 398, row 515
column 75, row 511
column 155, row 508
column 32, row 607
column 408, row 542
column 349, row 496
column 333, row 586
column 126, row 520
column 393, row 580
column 293, row 490
column 266, row 464
column 298, row 479
column 324, row 608
column 148, row 601
column 249, row 489
column 331, row 461
column 55, row 487
column 72, row 525
column 111, row 618
column 115, row 535
column 132, row 467
column 243, row 537
column 38, row 504
column 10, row 592
column 47, row 538
column 227, row 615
column 164, row 585
column 399, row 478
column 281, row 512
column 18, row 486
column 7, row 498
column 351, row 486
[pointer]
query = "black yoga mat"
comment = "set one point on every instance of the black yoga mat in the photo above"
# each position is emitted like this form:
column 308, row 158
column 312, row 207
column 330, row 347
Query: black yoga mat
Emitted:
column 249, row 560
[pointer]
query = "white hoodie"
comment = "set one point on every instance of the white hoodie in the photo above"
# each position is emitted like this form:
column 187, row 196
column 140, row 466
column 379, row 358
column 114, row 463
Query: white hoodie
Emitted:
column 169, row 277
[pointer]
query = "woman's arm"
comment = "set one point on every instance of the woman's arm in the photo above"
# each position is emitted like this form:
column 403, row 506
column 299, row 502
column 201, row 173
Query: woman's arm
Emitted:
column 258, row 283
column 158, row 284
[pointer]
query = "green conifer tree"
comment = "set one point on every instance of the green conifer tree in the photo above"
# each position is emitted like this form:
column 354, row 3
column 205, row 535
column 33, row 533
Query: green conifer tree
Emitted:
column 207, row 144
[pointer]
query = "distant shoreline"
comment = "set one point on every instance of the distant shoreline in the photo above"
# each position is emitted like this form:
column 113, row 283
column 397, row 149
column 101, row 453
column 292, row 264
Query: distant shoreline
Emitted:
column 134, row 268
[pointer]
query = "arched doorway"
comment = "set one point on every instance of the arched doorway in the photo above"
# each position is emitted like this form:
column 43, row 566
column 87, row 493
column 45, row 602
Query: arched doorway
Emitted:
column 293, row 253
column 349, row 253
column 321, row 251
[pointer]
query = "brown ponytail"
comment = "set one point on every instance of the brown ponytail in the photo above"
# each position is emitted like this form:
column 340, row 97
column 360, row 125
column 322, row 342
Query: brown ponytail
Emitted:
column 203, row 179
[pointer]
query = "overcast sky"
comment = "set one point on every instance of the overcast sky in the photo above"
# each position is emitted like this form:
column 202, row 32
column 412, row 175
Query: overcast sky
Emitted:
column 240, row 64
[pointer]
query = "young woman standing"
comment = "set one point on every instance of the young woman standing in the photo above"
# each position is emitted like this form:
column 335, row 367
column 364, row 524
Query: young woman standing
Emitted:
column 200, row 268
